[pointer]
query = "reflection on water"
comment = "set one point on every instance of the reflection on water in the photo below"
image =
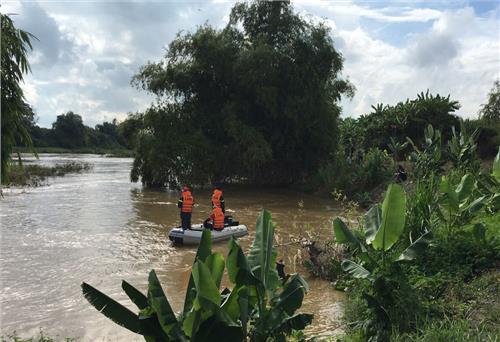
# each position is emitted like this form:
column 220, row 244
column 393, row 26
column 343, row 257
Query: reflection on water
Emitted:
column 100, row 228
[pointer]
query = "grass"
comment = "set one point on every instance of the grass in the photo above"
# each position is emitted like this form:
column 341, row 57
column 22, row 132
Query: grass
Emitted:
column 113, row 152
column 36, row 175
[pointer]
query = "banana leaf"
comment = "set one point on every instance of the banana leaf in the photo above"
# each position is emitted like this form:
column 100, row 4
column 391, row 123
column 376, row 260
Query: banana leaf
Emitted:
column 112, row 309
column 237, row 266
column 161, row 306
column 215, row 330
column 393, row 218
column 203, row 252
column 135, row 295
column 262, row 255
column 292, row 296
column 465, row 187
column 215, row 264
column 416, row 248
column 356, row 270
column 207, row 293
column 344, row 235
column 373, row 220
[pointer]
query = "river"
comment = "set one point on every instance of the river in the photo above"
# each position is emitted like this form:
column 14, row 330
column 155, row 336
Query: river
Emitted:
column 100, row 228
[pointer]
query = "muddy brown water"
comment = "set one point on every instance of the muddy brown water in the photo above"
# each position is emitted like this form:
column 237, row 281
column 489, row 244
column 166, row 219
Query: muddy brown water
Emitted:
column 100, row 228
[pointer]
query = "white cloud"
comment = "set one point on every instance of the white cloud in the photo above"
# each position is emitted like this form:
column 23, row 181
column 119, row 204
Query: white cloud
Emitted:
column 457, row 55
column 89, row 51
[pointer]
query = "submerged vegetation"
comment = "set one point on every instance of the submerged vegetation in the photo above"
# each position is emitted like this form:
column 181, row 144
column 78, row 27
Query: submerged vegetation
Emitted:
column 36, row 175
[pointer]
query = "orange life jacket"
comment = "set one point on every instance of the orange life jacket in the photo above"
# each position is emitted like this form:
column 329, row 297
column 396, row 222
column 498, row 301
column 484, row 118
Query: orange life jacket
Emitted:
column 218, row 218
column 216, row 197
column 187, row 202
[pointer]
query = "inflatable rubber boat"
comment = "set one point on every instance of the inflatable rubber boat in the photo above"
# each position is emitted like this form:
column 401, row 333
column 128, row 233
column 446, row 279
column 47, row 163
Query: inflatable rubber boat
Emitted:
column 193, row 236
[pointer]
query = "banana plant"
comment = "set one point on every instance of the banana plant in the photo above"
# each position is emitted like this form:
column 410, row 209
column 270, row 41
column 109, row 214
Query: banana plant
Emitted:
column 428, row 159
column 202, row 317
column 378, row 258
column 459, row 203
column 462, row 149
column 258, row 299
column 264, row 301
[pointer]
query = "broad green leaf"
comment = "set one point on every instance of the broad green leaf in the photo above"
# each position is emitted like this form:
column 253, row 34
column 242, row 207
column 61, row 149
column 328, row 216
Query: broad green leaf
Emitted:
column 244, row 305
column 449, row 199
column 496, row 166
column 215, row 264
column 476, row 205
column 207, row 292
column 135, row 295
column 262, row 254
column 393, row 218
column 191, row 322
column 373, row 220
column 344, row 235
column 111, row 309
column 292, row 296
column 160, row 304
column 237, row 266
column 204, row 251
column 416, row 248
column 465, row 187
column 356, row 270
column 296, row 322
column 214, row 330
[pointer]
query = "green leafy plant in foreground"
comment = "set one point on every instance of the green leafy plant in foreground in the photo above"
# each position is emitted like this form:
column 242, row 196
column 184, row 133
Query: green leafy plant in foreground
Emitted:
column 387, row 292
column 259, row 305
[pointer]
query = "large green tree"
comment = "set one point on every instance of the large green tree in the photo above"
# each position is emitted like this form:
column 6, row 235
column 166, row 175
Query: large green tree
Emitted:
column 255, row 101
column 491, row 110
column 69, row 130
column 16, row 113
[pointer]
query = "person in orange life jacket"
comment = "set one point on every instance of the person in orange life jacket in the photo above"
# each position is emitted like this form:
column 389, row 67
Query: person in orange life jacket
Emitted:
column 217, row 219
column 185, row 204
column 218, row 199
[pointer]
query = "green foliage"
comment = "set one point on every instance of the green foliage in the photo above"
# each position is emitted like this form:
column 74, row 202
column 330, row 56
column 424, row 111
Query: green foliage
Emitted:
column 462, row 149
column 16, row 113
column 428, row 158
column 490, row 111
column 258, row 305
column 496, row 166
column 422, row 206
column 387, row 127
column 459, row 203
column 356, row 176
column 69, row 130
column 260, row 94
column 388, row 297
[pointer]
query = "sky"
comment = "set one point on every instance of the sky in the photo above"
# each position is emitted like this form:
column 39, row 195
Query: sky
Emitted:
column 88, row 51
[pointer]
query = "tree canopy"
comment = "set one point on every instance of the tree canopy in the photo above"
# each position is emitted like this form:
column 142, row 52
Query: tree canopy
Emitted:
column 16, row 113
column 491, row 110
column 255, row 101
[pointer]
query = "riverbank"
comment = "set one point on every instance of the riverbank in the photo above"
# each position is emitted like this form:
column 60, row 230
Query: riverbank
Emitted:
column 113, row 152
column 33, row 175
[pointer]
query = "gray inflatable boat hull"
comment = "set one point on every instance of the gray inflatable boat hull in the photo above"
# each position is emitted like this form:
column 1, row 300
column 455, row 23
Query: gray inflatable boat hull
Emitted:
column 193, row 236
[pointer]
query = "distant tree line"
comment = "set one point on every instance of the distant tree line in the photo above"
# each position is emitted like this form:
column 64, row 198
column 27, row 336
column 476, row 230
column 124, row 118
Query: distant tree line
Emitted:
column 69, row 131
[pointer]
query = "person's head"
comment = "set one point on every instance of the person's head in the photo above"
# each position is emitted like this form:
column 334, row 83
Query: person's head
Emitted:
column 185, row 188
column 217, row 186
